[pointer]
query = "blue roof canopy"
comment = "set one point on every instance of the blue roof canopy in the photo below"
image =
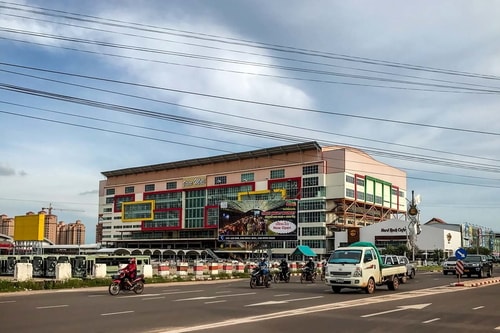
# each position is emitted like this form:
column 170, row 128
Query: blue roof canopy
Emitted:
column 304, row 250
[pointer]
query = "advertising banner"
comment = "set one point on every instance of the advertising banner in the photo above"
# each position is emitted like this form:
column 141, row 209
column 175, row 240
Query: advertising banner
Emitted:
column 258, row 220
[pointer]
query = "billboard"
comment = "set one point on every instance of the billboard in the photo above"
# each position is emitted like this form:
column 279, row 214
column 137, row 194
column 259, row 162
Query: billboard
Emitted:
column 29, row 227
column 137, row 211
column 258, row 220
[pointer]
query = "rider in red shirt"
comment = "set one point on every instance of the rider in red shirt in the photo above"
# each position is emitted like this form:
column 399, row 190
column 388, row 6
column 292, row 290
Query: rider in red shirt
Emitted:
column 130, row 271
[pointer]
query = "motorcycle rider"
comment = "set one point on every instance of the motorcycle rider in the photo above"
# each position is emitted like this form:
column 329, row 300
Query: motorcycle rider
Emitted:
column 264, row 268
column 284, row 268
column 130, row 272
column 310, row 266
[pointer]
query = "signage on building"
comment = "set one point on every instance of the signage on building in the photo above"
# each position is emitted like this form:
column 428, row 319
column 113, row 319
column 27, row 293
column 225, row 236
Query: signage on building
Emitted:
column 192, row 182
column 352, row 235
column 258, row 220
column 394, row 230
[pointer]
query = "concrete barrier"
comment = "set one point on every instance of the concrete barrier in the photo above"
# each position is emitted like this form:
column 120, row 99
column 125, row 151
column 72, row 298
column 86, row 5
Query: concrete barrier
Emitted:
column 147, row 270
column 198, row 269
column 227, row 268
column 100, row 271
column 213, row 268
column 182, row 268
column 163, row 269
column 63, row 271
column 23, row 271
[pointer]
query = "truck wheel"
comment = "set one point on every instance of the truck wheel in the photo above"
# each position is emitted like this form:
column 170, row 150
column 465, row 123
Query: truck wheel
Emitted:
column 480, row 274
column 490, row 272
column 370, row 287
column 336, row 290
column 394, row 284
column 412, row 274
column 403, row 279
column 445, row 272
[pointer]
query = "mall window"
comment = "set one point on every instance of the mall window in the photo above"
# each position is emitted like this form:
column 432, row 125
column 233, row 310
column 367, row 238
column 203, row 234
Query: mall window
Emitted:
column 119, row 199
column 313, row 231
column 349, row 179
column 361, row 195
column 247, row 177
column 220, row 180
column 360, row 182
column 276, row 174
column 149, row 187
column 171, row 185
column 312, row 205
column 165, row 200
column 313, row 192
column 212, row 217
column 349, row 193
column 110, row 191
column 110, row 200
column 310, row 181
column 314, row 243
column 310, row 169
column 195, row 205
column 310, row 217
column 129, row 189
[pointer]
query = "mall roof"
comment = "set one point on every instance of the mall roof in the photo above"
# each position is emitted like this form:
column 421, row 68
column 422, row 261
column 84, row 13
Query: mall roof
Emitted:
column 216, row 159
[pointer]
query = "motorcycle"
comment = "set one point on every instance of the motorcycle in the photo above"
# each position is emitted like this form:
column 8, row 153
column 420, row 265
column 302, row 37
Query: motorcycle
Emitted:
column 119, row 283
column 307, row 275
column 281, row 276
column 259, row 278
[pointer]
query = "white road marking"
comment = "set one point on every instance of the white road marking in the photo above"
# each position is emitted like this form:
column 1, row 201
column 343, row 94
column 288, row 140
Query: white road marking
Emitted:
column 478, row 307
column 2, row 302
column 497, row 328
column 311, row 309
column 399, row 308
column 221, row 301
column 430, row 320
column 210, row 297
column 284, row 301
column 281, row 295
column 115, row 313
column 52, row 306
column 152, row 298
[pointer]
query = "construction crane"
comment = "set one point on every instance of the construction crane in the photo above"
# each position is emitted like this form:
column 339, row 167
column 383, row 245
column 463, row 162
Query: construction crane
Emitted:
column 50, row 209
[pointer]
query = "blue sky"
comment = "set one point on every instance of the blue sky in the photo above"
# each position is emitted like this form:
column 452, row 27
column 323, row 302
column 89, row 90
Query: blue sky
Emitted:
column 87, row 87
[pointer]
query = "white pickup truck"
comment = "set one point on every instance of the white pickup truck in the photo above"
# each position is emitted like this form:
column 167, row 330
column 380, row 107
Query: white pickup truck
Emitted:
column 359, row 266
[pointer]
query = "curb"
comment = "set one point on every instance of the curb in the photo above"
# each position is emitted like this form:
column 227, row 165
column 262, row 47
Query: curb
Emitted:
column 475, row 284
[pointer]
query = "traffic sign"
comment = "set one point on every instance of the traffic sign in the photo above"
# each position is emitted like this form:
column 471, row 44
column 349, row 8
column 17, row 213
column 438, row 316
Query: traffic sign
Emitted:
column 459, row 268
column 461, row 253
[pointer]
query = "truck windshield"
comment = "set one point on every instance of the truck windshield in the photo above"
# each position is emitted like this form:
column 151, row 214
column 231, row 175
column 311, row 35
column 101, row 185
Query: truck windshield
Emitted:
column 345, row 257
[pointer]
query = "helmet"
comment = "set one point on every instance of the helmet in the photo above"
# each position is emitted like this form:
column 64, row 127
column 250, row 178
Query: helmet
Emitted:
column 283, row 260
column 131, row 260
column 310, row 259
column 262, row 259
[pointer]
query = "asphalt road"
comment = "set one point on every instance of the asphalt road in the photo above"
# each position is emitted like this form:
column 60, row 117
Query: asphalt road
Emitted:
column 427, row 302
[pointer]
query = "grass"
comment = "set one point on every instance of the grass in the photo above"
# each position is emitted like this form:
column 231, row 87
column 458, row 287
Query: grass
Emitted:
column 14, row 286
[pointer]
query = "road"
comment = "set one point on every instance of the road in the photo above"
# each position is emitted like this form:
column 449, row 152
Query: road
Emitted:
column 427, row 302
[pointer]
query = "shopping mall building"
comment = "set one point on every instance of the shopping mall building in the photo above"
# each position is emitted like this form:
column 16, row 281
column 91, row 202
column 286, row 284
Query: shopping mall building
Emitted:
column 176, row 205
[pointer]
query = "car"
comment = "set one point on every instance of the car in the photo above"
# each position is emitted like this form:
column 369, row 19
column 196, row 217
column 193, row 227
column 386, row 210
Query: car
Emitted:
column 389, row 259
column 449, row 265
column 410, row 268
column 477, row 264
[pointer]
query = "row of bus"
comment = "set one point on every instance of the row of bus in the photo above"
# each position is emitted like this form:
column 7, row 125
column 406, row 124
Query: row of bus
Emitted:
column 82, row 266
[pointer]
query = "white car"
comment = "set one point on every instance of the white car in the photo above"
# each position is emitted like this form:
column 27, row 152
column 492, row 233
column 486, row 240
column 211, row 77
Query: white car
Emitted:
column 449, row 265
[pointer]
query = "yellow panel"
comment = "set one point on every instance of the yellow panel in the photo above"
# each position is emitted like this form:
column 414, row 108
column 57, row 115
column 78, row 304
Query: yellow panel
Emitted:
column 137, row 211
column 29, row 227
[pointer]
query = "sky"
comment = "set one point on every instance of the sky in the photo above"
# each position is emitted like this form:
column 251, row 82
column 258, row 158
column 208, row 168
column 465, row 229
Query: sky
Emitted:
column 94, row 86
